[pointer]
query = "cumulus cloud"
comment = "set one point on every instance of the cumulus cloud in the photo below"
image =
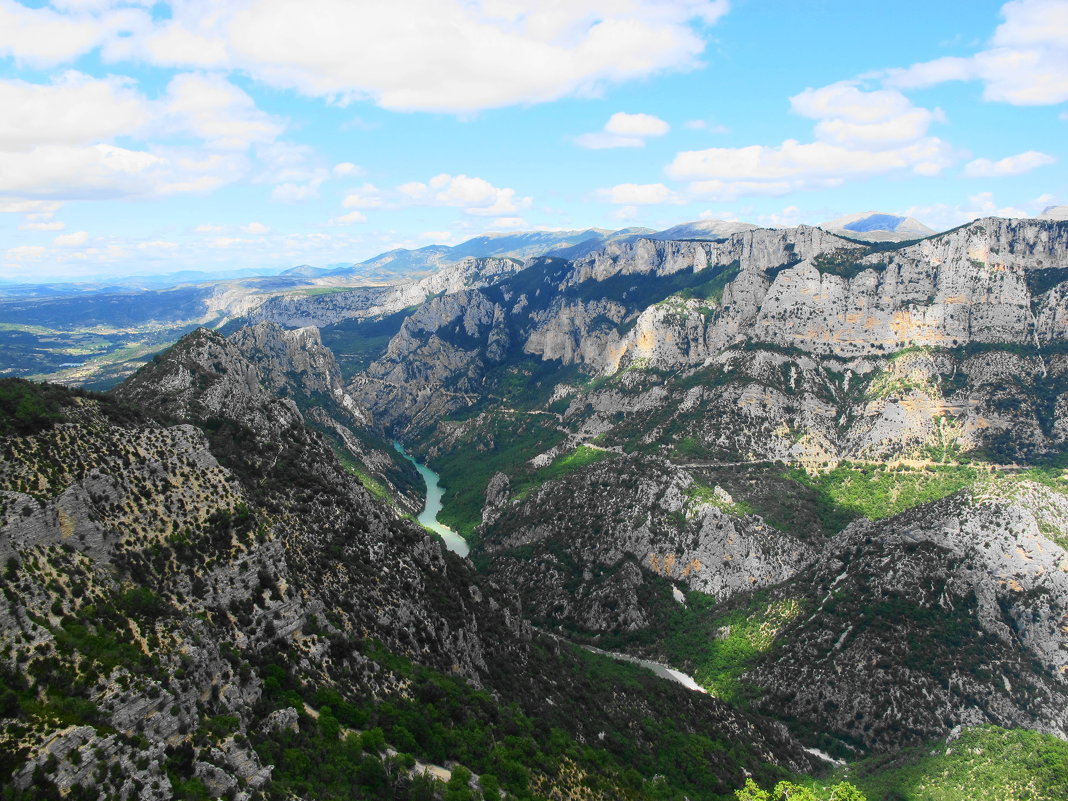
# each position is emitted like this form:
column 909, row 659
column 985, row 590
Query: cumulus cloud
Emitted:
column 218, row 112
column 346, row 169
column 25, row 253
column 74, row 239
column 72, row 109
column 349, row 219
column 1026, row 63
column 1010, row 165
column 334, row 48
column 255, row 228
column 854, row 118
column 638, row 194
column 624, row 130
column 705, row 125
column 858, row 133
column 54, row 225
column 45, row 37
column 474, row 195
column 365, row 197
column 295, row 193
column 947, row 215
column 496, row 52
column 60, row 139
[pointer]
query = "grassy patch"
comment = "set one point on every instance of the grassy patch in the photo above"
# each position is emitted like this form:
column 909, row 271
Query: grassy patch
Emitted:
column 716, row 646
column 699, row 494
column 503, row 443
column 984, row 762
column 875, row 492
column 581, row 457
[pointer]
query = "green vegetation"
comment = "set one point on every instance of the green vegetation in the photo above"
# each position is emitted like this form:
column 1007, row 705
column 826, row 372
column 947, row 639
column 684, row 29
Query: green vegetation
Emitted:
column 844, row 262
column 720, row 647
column 714, row 646
column 326, row 290
column 341, row 751
column 788, row 791
column 876, row 491
column 502, row 443
column 698, row 494
column 582, row 456
column 27, row 408
column 985, row 762
column 356, row 343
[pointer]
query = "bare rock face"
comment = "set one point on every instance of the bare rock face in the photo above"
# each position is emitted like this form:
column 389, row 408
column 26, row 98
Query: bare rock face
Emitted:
column 165, row 576
column 619, row 525
column 960, row 603
column 292, row 311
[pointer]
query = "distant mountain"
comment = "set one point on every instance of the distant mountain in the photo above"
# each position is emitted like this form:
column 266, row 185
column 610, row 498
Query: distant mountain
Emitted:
column 875, row 226
column 704, row 229
column 403, row 264
column 1054, row 213
column 306, row 271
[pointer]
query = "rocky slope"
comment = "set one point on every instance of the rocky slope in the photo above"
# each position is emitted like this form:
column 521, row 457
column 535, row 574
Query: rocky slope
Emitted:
column 962, row 603
column 198, row 596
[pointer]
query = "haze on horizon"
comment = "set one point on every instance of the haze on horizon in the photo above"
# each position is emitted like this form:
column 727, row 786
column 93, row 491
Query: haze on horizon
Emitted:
column 143, row 137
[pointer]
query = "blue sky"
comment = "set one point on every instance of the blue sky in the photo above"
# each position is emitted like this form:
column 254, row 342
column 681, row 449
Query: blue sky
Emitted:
column 141, row 137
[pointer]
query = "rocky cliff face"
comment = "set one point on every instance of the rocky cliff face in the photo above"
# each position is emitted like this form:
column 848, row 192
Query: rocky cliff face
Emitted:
column 586, row 552
column 825, row 316
column 961, row 603
column 688, row 360
column 184, row 586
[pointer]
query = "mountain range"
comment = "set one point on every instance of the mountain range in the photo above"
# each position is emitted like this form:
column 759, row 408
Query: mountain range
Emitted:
column 817, row 470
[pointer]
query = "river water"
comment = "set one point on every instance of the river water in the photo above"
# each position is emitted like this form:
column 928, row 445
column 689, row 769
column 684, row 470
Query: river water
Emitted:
column 428, row 518
column 457, row 544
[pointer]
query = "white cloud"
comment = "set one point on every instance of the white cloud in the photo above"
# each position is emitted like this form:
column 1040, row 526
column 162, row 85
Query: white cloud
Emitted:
column 346, row 169
column 349, row 219
column 603, row 141
column 638, row 194
column 509, row 224
column 75, row 239
column 1026, row 64
column 788, row 217
column 54, row 225
column 255, row 228
column 37, row 208
column 474, row 195
column 1010, row 165
column 295, row 193
column 43, row 37
column 804, row 163
column 858, row 134
column 851, row 117
column 208, row 228
column 705, row 125
column 59, row 140
column 365, row 197
column 221, row 114
column 26, row 253
column 496, row 53
column 623, row 124
column 943, row 215
column 437, row 236
column 624, row 130
column 73, row 109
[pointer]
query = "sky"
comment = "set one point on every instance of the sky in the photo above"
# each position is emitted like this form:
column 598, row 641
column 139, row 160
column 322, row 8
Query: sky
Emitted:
column 141, row 137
